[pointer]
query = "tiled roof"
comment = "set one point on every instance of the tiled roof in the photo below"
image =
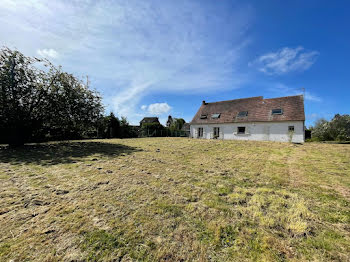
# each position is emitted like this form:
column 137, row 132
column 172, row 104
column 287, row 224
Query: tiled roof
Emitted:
column 259, row 110
column 150, row 120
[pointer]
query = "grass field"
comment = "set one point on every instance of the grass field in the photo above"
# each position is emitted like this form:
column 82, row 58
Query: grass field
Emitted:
column 175, row 199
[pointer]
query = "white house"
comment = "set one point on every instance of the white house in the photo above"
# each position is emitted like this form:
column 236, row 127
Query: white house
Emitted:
column 255, row 118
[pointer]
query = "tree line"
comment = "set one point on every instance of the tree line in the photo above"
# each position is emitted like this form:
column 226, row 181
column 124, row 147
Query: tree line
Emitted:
column 337, row 129
column 41, row 102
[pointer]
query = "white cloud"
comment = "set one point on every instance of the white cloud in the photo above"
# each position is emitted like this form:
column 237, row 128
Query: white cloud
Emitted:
column 284, row 90
column 311, row 97
column 156, row 108
column 48, row 53
column 136, row 47
column 312, row 116
column 286, row 60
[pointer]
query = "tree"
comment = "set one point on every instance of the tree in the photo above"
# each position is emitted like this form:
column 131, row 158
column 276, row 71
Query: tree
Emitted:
column 320, row 130
column 177, row 124
column 40, row 104
column 128, row 131
column 109, row 126
column 338, row 129
column 114, row 126
column 152, row 129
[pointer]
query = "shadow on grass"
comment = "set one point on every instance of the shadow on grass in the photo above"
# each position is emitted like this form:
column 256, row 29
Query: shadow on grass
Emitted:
column 62, row 152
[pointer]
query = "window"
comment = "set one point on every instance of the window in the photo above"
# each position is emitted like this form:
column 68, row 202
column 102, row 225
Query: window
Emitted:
column 203, row 116
column 277, row 111
column 215, row 116
column 291, row 128
column 242, row 114
column 241, row 130
column 200, row 131
column 216, row 132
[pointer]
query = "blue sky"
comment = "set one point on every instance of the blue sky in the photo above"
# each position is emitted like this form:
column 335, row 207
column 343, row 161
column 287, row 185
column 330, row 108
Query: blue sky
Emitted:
column 160, row 57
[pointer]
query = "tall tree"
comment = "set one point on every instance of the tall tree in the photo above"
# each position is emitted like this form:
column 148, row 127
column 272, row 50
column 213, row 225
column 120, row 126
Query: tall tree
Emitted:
column 45, row 103
column 336, row 129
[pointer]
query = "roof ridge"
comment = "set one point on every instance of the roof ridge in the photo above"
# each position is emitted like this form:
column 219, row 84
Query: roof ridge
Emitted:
column 253, row 97
column 283, row 97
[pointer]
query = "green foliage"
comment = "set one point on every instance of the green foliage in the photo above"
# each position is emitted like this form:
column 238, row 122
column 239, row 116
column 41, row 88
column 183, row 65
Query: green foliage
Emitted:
column 100, row 244
column 109, row 126
column 338, row 129
column 43, row 104
column 128, row 131
column 177, row 124
column 113, row 127
column 152, row 129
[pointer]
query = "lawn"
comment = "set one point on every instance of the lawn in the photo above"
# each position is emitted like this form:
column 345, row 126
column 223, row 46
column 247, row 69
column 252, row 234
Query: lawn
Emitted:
column 175, row 199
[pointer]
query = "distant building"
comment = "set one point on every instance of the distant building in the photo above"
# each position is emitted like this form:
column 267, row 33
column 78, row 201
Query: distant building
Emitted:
column 255, row 118
column 170, row 121
column 148, row 120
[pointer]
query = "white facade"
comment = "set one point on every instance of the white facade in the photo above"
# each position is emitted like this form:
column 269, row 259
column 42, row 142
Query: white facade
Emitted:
column 282, row 131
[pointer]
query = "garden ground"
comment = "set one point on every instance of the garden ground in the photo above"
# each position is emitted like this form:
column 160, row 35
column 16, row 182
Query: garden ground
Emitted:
column 175, row 199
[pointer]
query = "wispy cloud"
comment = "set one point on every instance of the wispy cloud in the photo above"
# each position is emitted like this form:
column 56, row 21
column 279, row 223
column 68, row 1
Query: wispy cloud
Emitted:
column 156, row 109
column 285, row 60
column 284, row 90
column 136, row 47
column 48, row 53
column 312, row 116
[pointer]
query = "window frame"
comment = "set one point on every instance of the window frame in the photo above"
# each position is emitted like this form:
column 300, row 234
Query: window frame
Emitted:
column 275, row 113
column 238, row 130
column 215, row 116
column 291, row 128
column 245, row 113
column 200, row 132
column 217, row 128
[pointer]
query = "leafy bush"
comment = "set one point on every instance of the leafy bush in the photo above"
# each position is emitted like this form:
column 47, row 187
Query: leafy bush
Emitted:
column 338, row 129
column 152, row 129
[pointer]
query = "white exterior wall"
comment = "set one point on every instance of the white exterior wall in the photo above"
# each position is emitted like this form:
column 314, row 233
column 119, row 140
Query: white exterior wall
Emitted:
column 261, row 131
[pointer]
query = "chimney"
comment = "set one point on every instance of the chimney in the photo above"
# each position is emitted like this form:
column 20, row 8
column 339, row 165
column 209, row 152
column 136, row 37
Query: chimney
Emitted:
column 203, row 102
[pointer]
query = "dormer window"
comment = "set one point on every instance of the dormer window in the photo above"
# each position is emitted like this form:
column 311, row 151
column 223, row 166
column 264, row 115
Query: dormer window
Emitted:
column 242, row 114
column 215, row 116
column 277, row 111
column 203, row 116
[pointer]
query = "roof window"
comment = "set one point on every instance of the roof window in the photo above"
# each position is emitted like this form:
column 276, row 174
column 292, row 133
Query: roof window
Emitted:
column 242, row 114
column 277, row 111
column 215, row 116
column 203, row 116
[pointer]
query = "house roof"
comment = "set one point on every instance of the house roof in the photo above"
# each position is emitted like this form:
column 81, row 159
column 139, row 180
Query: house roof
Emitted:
column 150, row 120
column 259, row 110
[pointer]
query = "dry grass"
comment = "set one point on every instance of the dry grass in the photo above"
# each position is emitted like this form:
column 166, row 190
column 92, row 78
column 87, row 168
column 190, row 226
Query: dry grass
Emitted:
column 175, row 199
